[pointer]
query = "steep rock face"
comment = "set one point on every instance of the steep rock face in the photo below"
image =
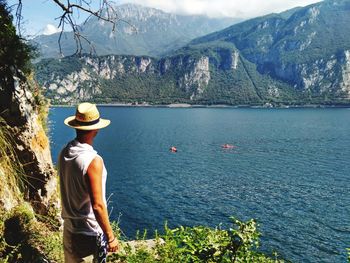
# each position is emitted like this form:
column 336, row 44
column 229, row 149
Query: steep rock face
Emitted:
column 197, row 79
column 305, row 48
column 87, row 82
column 109, row 67
column 72, row 84
column 234, row 60
column 295, row 57
column 327, row 75
column 10, row 196
column 228, row 59
column 21, row 113
column 299, row 55
column 345, row 83
column 192, row 76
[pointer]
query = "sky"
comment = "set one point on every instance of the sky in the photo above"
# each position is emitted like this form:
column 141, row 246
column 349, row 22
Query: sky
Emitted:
column 39, row 15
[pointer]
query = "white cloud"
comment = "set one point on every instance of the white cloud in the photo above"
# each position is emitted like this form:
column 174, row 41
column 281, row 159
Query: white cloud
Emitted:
column 50, row 29
column 219, row 8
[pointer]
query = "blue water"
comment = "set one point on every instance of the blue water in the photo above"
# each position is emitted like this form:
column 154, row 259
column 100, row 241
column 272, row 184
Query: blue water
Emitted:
column 290, row 171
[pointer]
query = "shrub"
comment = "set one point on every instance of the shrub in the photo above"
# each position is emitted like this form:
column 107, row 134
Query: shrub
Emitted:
column 200, row 244
column 14, row 51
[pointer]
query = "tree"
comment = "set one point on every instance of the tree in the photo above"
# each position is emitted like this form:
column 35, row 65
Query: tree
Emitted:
column 70, row 11
column 13, row 50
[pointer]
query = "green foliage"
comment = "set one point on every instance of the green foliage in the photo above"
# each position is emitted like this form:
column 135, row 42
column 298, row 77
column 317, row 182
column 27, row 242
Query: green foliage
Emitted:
column 12, row 176
column 130, row 255
column 50, row 245
column 15, row 233
column 14, row 51
column 275, row 54
column 24, row 239
column 203, row 244
column 243, row 86
column 280, row 36
column 200, row 244
column 61, row 67
column 116, row 229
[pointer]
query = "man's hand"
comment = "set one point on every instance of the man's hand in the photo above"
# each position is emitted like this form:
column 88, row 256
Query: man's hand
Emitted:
column 113, row 246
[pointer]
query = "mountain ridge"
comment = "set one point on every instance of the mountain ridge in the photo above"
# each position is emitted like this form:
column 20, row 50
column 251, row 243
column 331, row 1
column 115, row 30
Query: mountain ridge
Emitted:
column 140, row 31
column 275, row 59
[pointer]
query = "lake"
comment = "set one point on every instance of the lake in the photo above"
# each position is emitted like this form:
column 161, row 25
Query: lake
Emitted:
column 289, row 169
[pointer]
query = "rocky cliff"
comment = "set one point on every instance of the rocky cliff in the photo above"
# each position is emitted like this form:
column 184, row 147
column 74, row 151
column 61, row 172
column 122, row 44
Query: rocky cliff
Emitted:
column 307, row 49
column 28, row 186
column 24, row 119
column 296, row 57
column 217, row 74
column 22, row 115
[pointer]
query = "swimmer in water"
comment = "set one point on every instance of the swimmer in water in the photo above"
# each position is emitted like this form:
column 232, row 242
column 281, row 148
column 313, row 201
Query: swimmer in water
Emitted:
column 173, row 149
column 227, row 146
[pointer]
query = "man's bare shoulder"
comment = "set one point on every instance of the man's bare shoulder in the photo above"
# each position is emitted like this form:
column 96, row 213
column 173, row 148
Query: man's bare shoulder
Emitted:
column 96, row 164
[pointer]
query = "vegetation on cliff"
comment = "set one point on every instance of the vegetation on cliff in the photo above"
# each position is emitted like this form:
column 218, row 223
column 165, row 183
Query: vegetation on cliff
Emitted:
column 199, row 244
column 25, row 236
column 29, row 229
column 25, row 239
column 14, row 52
column 177, row 79
column 298, row 57
column 28, row 213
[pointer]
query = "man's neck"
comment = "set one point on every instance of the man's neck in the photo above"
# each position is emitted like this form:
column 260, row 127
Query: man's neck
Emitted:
column 85, row 140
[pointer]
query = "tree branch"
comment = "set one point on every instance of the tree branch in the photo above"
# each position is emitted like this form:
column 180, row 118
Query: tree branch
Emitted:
column 19, row 16
column 67, row 17
column 69, row 9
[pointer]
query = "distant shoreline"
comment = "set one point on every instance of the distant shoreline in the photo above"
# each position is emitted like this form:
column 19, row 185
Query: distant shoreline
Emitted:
column 185, row 105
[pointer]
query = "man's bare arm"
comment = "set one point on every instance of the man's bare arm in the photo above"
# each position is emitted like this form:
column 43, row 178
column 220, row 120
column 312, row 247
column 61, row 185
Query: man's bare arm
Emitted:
column 94, row 174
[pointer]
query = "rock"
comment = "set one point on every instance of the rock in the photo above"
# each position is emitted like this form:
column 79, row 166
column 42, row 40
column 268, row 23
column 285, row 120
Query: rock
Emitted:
column 21, row 113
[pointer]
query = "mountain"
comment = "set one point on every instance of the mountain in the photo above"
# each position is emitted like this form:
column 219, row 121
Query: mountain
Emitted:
column 214, row 75
column 309, row 50
column 140, row 31
column 301, row 56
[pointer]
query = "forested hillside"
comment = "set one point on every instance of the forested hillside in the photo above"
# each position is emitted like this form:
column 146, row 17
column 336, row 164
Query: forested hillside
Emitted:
column 301, row 56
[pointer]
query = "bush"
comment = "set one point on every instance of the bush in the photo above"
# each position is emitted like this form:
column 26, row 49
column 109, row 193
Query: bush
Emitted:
column 14, row 51
column 200, row 244
column 24, row 239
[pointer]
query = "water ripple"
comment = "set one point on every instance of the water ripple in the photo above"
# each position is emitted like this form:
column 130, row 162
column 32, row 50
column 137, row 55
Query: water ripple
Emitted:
column 289, row 170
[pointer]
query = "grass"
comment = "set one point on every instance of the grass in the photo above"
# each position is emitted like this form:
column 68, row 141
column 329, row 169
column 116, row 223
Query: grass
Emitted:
column 240, row 243
column 24, row 236
column 25, row 239
column 12, row 175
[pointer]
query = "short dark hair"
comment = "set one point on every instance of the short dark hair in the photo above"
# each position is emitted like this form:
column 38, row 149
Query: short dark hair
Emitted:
column 81, row 132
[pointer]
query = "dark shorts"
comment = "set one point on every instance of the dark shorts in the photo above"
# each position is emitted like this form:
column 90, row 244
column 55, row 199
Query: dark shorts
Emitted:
column 84, row 248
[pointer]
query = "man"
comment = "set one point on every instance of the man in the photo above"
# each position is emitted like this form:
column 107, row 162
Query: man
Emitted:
column 87, row 231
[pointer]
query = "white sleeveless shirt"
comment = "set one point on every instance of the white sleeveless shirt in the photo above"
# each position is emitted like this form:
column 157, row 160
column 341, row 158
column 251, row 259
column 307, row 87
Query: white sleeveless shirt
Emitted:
column 77, row 212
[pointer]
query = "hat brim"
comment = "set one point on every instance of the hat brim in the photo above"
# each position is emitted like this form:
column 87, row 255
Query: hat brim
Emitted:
column 71, row 122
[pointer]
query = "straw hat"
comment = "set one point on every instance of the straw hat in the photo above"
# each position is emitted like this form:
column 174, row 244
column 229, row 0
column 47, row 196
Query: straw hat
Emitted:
column 86, row 118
